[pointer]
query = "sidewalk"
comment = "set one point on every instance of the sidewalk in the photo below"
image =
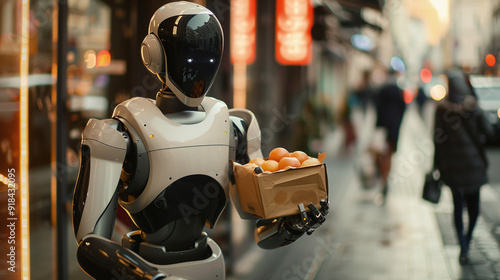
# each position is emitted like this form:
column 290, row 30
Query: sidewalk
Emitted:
column 406, row 238
column 397, row 240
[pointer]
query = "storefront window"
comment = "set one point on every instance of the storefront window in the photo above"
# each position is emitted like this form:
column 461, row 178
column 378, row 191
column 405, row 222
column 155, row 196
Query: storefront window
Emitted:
column 26, row 115
column 28, row 121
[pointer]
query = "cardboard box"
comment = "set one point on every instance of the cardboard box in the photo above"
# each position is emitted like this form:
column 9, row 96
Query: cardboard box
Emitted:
column 278, row 194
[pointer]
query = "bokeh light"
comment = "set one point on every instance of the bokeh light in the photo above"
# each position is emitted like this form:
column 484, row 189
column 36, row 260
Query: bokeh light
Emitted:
column 103, row 58
column 397, row 64
column 407, row 96
column 426, row 75
column 438, row 92
column 490, row 60
column 362, row 42
column 90, row 58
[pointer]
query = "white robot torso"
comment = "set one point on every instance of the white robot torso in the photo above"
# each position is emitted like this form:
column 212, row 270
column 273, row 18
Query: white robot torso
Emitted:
column 186, row 157
column 184, row 144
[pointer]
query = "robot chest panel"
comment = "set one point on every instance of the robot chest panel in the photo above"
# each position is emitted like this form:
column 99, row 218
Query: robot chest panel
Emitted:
column 177, row 148
column 175, row 163
column 194, row 137
column 209, row 127
column 170, row 166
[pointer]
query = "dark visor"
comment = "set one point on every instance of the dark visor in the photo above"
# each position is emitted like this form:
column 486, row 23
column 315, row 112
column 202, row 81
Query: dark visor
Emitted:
column 193, row 44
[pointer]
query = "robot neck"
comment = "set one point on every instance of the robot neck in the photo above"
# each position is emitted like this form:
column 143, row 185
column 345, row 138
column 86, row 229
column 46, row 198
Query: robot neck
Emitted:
column 168, row 103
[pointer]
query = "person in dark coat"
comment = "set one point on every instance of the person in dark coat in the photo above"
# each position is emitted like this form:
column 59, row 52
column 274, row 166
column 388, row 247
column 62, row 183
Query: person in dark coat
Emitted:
column 460, row 131
column 390, row 108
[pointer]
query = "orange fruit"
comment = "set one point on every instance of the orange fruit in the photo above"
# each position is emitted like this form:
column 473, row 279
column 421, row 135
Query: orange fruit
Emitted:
column 288, row 161
column 301, row 156
column 278, row 153
column 270, row 165
column 257, row 161
column 250, row 167
column 311, row 161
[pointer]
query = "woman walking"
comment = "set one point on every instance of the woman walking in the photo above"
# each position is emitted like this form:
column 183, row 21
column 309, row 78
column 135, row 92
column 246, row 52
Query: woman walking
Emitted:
column 460, row 132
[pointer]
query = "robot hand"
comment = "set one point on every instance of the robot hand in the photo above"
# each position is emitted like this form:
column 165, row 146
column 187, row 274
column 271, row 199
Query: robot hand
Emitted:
column 270, row 234
column 308, row 221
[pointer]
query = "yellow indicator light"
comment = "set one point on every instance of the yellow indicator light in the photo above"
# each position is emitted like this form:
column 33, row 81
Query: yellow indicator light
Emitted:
column 225, row 132
column 151, row 136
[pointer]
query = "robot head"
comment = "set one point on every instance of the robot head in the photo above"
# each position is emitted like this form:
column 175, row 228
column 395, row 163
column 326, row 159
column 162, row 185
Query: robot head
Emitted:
column 184, row 48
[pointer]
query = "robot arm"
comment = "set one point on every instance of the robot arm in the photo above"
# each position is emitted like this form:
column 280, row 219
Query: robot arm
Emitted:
column 95, row 198
column 269, row 234
column 94, row 205
column 246, row 135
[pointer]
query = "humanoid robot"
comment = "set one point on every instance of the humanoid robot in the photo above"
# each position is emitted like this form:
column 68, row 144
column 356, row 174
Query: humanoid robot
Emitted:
column 166, row 162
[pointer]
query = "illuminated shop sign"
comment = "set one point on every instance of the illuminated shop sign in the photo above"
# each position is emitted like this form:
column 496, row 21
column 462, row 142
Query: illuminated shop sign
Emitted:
column 294, row 19
column 242, row 32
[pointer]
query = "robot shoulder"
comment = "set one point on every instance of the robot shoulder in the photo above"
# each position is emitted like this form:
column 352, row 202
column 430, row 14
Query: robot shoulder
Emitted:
column 210, row 103
column 138, row 113
column 105, row 132
column 135, row 106
column 252, row 131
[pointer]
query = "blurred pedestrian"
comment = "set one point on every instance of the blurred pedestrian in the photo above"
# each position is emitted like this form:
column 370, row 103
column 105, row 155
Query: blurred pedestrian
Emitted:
column 460, row 131
column 361, row 104
column 390, row 108
column 421, row 100
column 364, row 93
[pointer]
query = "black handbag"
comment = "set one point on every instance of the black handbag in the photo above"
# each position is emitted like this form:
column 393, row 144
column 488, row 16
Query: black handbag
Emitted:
column 432, row 188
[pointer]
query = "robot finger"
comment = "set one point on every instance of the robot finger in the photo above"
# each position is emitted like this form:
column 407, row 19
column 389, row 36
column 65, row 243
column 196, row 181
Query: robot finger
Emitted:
column 325, row 208
column 303, row 215
column 317, row 216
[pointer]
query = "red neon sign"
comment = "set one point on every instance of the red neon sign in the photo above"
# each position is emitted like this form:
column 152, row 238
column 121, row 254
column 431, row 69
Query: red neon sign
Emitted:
column 242, row 33
column 294, row 19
